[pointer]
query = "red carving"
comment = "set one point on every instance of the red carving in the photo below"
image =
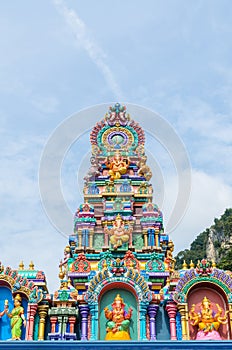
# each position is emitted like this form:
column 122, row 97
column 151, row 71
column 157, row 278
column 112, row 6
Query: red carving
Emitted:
column 81, row 264
column 130, row 261
column 40, row 275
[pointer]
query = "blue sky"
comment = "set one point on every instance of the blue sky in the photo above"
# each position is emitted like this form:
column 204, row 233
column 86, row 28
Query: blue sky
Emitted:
column 59, row 57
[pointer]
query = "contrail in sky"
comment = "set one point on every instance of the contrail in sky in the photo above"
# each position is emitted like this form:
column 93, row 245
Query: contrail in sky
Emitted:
column 93, row 50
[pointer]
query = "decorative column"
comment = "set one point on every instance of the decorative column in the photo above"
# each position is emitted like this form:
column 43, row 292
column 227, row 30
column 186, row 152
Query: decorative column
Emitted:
column 91, row 232
column 84, row 311
column 142, row 318
column 72, row 321
column 130, row 239
column 31, row 311
column 145, row 238
column 172, row 310
column 152, row 311
column 60, row 322
column 64, row 325
column 182, row 310
column 53, row 320
column 79, row 238
column 94, row 311
column 157, row 237
column 43, row 310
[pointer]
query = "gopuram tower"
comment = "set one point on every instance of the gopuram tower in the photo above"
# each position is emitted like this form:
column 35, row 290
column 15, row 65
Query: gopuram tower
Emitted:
column 118, row 251
column 117, row 278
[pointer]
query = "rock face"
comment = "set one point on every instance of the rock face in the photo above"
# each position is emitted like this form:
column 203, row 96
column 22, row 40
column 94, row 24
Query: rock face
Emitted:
column 215, row 244
column 211, row 251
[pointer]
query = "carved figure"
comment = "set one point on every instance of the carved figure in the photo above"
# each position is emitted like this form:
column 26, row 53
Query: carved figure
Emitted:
column 117, row 327
column 93, row 170
column 118, row 233
column 207, row 320
column 118, row 166
column 144, row 169
column 17, row 318
column 5, row 309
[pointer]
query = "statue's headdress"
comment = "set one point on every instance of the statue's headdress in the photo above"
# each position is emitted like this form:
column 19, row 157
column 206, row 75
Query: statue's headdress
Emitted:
column 18, row 297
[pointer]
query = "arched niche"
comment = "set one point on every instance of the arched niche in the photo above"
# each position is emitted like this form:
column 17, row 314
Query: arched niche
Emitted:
column 6, row 294
column 107, row 297
column 217, row 296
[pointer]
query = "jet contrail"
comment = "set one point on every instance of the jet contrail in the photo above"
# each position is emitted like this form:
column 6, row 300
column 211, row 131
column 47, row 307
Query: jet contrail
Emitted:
column 93, row 50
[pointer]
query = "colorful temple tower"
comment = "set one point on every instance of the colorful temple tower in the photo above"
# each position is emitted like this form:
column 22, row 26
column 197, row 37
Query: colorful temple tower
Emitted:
column 117, row 278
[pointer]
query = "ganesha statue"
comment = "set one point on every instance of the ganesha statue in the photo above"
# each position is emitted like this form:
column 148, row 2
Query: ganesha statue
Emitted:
column 118, row 234
column 117, row 326
column 117, row 166
column 207, row 320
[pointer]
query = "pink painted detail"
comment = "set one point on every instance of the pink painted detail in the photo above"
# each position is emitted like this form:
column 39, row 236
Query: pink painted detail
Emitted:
column 213, row 335
column 172, row 310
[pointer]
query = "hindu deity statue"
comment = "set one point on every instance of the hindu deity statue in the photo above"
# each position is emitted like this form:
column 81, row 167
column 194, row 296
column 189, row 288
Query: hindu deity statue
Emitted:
column 17, row 318
column 118, row 233
column 117, row 328
column 117, row 166
column 207, row 320
column 5, row 309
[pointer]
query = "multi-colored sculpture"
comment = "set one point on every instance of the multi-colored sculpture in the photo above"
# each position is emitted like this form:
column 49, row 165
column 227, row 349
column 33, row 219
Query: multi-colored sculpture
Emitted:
column 17, row 318
column 118, row 233
column 117, row 166
column 117, row 256
column 207, row 320
column 117, row 327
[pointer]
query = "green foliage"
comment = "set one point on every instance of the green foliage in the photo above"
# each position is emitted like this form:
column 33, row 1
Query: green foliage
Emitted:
column 197, row 251
column 226, row 261
column 224, row 224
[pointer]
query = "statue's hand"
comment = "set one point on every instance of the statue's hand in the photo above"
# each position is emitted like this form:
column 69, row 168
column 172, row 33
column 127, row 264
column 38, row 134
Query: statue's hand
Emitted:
column 219, row 308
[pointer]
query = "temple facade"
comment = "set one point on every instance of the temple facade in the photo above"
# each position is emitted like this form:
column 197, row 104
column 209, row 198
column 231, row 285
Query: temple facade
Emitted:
column 117, row 276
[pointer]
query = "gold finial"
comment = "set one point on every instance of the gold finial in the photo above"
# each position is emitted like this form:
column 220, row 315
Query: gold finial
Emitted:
column 21, row 265
column 184, row 266
column 70, row 283
column 31, row 266
column 61, row 273
column 213, row 264
column 191, row 265
column 104, row 265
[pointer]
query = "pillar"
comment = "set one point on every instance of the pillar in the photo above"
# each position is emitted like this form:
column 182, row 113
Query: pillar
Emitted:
column 43, row 310
column 84, row 311
column 145, row 238
column 31, row 311
column 142, row 318
column 182, row 310
column 157, row 237
column 106, row 240
column 94, row 312
column 91, row 238
column 53, row 320
column 172, row 310
column 72, row 321
column 152, row 310
column 79, row 238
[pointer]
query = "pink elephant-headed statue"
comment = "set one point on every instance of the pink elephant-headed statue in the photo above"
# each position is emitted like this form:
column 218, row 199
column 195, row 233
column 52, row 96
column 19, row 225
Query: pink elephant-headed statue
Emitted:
column 207, row 320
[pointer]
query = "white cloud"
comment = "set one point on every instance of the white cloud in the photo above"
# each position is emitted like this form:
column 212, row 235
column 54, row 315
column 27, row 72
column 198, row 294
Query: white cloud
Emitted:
column 209, row 198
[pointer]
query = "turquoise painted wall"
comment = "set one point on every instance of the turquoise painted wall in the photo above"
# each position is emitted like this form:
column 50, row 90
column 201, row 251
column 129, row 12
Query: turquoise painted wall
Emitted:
column 5, row 329
column 162, row 324
column 129, row 300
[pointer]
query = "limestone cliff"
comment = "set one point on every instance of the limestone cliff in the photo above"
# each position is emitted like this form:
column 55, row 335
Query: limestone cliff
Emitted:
column 215, row 244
